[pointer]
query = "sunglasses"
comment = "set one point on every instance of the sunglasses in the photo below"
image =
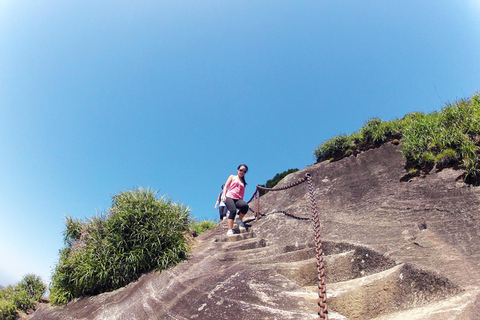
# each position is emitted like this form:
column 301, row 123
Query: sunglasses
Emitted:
column 244, row 171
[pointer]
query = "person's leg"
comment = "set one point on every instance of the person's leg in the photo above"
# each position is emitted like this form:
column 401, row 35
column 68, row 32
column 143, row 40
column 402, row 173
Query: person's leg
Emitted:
column 223, row 212
column 230, row 224
column 230, row 203
column 242, row 207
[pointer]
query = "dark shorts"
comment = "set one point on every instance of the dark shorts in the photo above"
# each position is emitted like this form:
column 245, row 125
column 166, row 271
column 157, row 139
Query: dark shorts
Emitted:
column 234, row 204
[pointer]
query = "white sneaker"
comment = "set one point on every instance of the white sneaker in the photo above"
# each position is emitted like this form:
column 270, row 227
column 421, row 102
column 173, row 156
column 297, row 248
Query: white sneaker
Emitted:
column 230, row 233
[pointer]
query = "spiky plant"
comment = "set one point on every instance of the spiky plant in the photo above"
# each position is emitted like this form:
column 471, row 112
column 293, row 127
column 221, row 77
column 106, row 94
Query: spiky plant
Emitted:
column 449, row 137
column 21, row 297
column 202, row 226
column 140, row 233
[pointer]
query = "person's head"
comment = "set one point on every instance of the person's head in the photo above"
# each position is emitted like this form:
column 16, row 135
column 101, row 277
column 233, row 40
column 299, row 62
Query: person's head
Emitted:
column 223, row 186
column 241, row 171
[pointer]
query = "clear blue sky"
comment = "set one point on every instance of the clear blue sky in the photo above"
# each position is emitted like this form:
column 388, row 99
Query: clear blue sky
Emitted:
column 98, row 97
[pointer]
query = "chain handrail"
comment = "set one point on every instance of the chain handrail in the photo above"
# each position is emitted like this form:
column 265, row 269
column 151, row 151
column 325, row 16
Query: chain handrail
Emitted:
column 322, row 293
column 288, row 186
column 289, row 215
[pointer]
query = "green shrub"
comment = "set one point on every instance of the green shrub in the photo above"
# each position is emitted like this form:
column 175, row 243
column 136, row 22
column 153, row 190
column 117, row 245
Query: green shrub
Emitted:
column 21, row 297
column 418, row 137
column 334, row 147
column 446, row 157
column 427, row 159
column 276, row 179
column 202, row 226
column 73, row 230
column 22, row 300
column 470, row 160
column 450, row 136
column 33, row 286
column 412, row 117
column 140, row 233
column 376, row 131
column 8, row 309
column 445, row 138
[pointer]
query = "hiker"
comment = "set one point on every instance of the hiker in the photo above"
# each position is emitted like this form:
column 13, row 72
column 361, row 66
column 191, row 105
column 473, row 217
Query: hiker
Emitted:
column 232, row 195
column 222, row 209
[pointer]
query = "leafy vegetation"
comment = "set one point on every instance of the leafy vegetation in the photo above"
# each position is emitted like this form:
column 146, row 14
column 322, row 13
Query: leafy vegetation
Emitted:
column 202, row 226
column 276, row 179
column 21, row 297
column 140, row 233
column 447, row 138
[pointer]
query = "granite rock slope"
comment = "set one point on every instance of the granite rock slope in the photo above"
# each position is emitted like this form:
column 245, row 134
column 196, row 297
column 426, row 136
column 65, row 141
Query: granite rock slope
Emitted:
column 392, row 250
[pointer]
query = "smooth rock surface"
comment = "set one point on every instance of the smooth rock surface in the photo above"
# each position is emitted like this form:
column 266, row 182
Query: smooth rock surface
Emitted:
column 392, row 250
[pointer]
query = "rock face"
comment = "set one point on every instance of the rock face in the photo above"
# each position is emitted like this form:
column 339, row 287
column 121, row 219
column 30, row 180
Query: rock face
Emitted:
column 392, row 250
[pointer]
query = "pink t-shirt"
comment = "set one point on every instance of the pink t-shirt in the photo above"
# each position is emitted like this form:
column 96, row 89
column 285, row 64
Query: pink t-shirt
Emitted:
column 236, row 189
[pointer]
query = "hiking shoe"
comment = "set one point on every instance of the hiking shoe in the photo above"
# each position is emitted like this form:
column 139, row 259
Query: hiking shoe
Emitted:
column 230, row 233
column 240, row 223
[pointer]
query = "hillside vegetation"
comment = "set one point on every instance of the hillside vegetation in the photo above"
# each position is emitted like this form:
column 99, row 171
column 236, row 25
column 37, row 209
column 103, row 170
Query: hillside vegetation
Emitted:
column 276, row 179
column 21, row 297
column 449, row 138
column 140, row 233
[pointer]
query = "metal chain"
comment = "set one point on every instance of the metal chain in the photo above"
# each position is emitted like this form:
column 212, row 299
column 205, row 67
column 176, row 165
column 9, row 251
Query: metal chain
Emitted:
column 288, row 186
column 290, row 215
column 259, row 187
column 322, row 292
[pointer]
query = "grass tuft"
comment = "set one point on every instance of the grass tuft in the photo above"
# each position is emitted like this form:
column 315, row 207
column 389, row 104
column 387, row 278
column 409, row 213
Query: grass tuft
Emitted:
column 138, row 234
column 447, row 138
column 21, row 297
column 201, row 226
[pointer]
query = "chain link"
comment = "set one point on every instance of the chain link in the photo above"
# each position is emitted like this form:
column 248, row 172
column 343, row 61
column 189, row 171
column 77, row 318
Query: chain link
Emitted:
column 289, row 215
column 288, row 186
column 322, row 292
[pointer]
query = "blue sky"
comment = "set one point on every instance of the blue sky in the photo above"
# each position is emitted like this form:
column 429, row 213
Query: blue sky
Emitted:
column 98, row 97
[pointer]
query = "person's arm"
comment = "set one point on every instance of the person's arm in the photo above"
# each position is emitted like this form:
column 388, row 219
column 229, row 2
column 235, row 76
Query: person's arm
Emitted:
column 218, row 200
column 225, row 188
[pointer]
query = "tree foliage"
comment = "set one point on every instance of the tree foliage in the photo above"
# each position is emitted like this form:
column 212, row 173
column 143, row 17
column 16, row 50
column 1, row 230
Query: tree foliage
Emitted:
column 276, row 179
